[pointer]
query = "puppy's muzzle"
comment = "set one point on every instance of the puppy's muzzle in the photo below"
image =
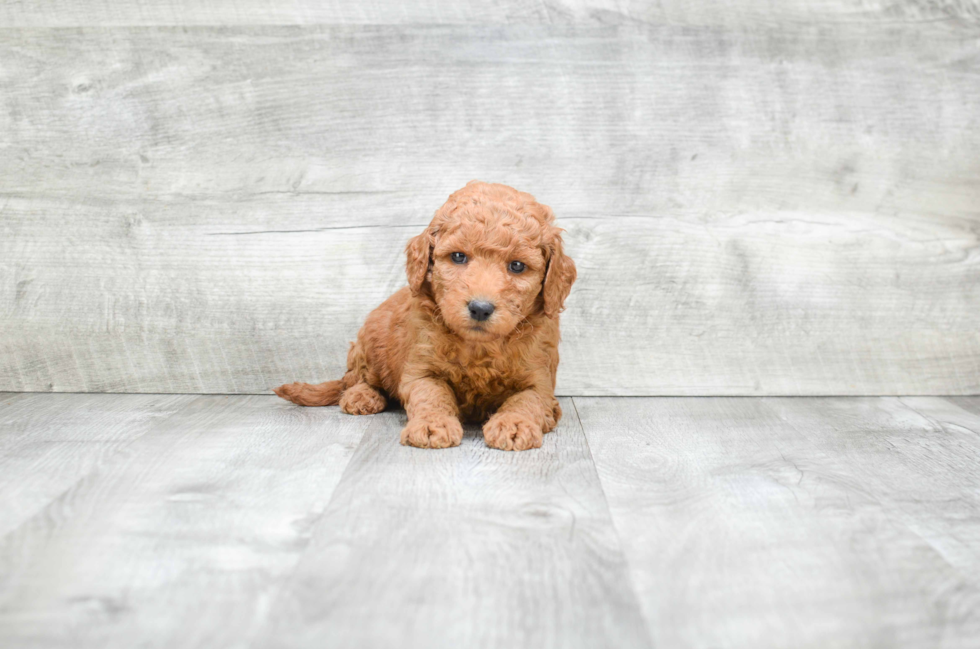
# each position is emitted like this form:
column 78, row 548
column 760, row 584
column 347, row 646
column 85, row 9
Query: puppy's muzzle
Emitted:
column 480, row 310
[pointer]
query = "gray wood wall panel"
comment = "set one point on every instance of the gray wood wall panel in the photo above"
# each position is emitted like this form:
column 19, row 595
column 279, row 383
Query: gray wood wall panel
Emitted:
column 179, row 537
column 754, row 209
column 796, row 522
column 66, row 13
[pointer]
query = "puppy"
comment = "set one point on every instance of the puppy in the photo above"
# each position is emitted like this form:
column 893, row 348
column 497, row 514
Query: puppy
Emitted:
column 474, row 335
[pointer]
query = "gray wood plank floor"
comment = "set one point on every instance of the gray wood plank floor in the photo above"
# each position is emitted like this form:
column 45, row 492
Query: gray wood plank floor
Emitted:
column 193, row 521
column 796, row 522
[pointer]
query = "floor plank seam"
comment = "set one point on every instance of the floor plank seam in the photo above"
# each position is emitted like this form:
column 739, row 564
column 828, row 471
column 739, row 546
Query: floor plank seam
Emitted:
column 612, row 522
column 258, row 639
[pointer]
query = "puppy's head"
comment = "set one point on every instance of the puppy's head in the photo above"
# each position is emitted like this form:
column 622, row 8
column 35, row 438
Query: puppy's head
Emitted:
column 490, row 258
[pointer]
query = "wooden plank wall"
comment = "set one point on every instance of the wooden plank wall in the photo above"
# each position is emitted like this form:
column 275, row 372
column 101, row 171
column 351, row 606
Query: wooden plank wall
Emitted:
column 761, row 198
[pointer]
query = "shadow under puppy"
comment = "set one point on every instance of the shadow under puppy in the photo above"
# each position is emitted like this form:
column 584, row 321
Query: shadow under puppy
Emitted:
column 473, row 335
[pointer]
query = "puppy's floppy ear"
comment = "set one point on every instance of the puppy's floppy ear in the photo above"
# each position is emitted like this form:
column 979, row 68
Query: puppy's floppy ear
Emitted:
column 559, row 276
column 419, row 253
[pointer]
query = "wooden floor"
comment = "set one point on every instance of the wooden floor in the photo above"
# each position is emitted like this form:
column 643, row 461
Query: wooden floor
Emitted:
column 244, row 521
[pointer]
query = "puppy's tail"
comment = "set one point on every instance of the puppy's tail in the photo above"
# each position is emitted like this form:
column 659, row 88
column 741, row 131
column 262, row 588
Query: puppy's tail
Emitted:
column 306, row 394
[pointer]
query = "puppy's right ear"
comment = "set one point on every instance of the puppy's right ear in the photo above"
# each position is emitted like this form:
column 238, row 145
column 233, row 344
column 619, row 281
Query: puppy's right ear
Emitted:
column 419, row 253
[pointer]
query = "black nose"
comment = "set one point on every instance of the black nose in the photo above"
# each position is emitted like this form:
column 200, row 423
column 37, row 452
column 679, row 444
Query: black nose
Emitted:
column 480, row 310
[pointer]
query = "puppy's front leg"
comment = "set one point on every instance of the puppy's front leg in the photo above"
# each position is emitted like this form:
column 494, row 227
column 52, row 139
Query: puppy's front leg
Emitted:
column 433, row 415
column 522, row 420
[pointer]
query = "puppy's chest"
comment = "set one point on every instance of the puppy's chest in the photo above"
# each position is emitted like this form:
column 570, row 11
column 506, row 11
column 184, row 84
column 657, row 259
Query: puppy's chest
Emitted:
column 481, row 384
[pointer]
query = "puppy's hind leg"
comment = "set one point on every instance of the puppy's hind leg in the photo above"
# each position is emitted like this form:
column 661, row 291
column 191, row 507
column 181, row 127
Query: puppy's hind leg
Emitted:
column 362, row 399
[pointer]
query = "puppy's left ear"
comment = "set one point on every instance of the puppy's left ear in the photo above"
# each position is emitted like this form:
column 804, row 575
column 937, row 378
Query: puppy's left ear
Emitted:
column 559, row 276
column 419, row 261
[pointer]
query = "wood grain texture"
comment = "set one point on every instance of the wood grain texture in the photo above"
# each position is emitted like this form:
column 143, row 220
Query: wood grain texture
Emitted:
column 755, row 209
column 764, row 304
column 464, row 547
column 796, row 522
column 244, row 521
column 178, row 540
column 65, row 13
column 49, row 443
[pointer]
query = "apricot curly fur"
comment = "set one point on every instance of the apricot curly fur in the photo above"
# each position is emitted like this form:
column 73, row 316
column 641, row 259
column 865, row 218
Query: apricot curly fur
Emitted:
column 422, row 348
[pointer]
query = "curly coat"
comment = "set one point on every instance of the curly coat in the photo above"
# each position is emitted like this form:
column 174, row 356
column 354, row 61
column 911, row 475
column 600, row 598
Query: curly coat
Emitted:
column 424, row 348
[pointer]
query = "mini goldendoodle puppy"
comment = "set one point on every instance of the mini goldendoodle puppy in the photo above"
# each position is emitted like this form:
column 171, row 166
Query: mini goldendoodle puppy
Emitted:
column 475, row 332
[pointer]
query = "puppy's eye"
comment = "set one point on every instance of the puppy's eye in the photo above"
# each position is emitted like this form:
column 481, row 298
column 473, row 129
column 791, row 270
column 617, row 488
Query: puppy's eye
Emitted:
column 458, row 258
column 517, row 266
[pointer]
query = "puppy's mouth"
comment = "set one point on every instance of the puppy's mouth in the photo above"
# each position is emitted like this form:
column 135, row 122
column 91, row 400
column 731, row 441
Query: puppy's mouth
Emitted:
column 479, row 331
column 475, row 330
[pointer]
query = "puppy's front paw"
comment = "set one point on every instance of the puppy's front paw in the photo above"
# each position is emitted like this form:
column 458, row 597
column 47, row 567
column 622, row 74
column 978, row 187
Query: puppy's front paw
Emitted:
column 510, row 431
column 427, row 432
